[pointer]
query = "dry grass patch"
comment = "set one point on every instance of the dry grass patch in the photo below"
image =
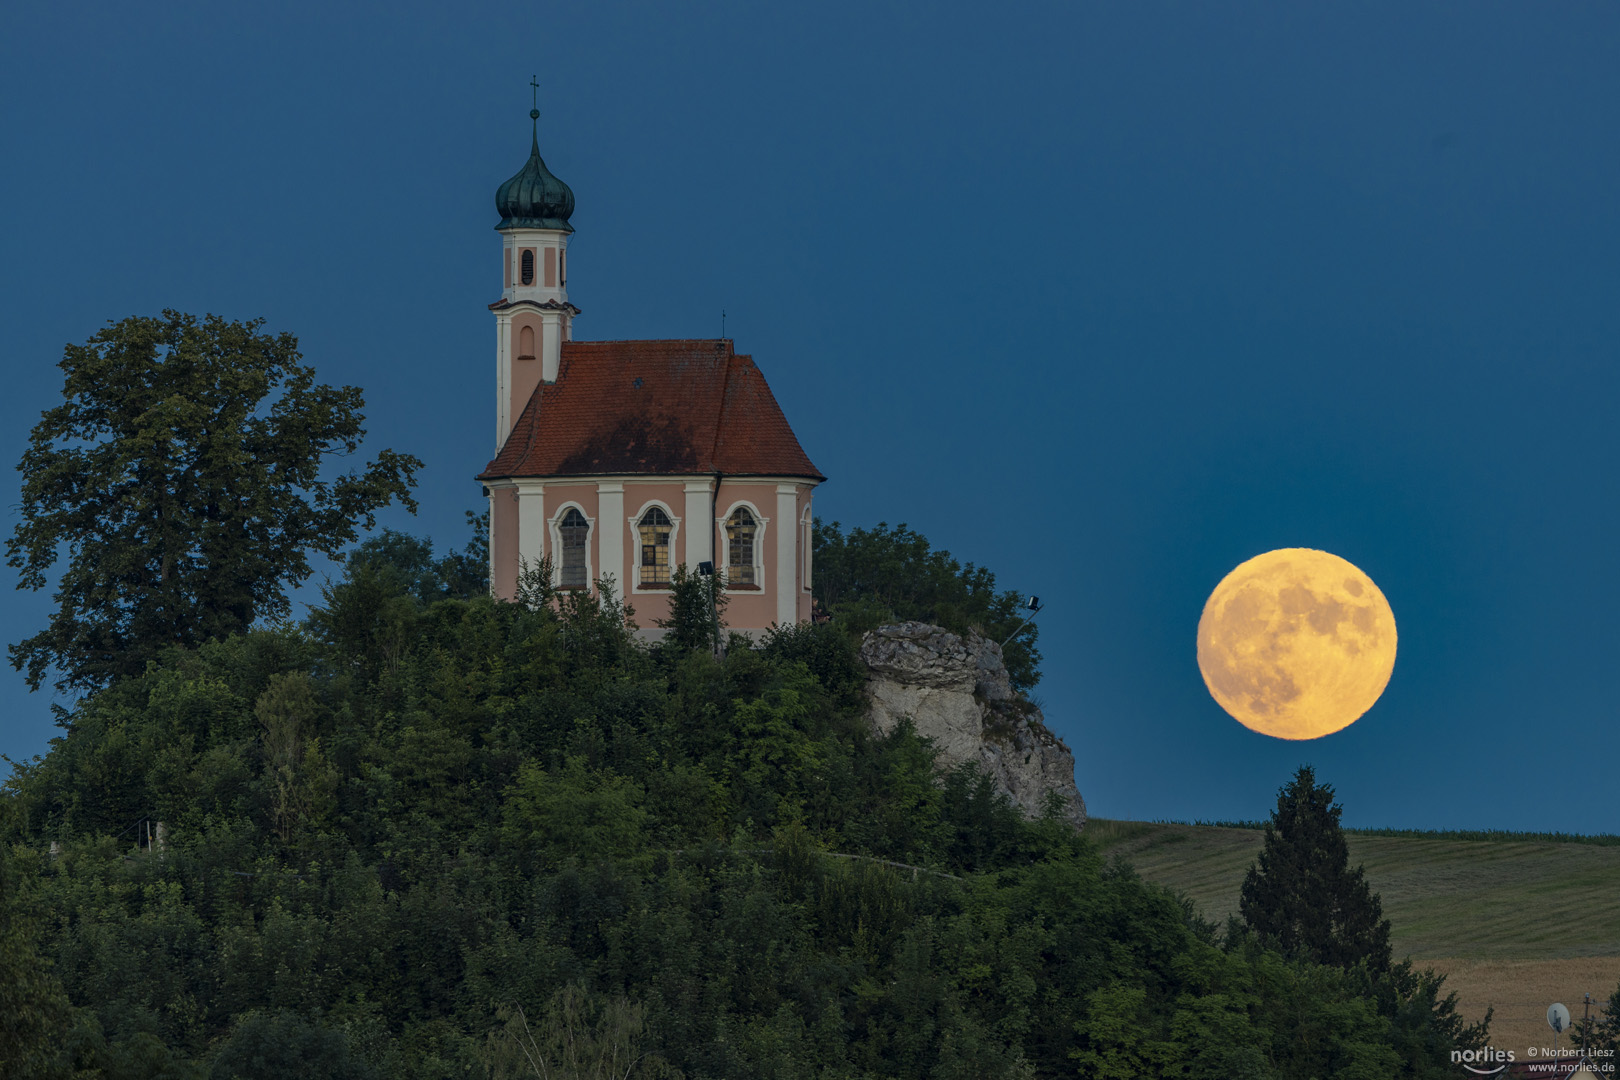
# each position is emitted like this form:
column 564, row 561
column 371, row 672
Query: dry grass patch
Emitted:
column 1521, row 990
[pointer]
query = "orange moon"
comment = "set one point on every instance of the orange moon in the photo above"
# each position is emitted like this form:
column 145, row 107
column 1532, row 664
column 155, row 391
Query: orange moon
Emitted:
column 1296, row 643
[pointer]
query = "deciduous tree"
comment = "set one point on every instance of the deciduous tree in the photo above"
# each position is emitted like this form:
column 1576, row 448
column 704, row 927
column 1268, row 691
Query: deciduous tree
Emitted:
column 696, row 611
column 183, row 475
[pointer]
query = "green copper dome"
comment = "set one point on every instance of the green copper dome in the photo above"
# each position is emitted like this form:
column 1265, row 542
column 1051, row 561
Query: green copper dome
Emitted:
column 534, row 199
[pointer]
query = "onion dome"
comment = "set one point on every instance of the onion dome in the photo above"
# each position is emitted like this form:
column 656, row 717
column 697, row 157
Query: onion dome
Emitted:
column 534, row 198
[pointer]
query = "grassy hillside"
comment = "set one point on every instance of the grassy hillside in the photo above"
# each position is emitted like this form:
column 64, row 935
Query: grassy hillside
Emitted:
column 1474, row 899
column 1515, row 923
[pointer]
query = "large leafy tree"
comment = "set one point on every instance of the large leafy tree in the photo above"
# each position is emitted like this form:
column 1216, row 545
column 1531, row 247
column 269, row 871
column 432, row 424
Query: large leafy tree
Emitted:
column 183, row 476
column 1302, row 894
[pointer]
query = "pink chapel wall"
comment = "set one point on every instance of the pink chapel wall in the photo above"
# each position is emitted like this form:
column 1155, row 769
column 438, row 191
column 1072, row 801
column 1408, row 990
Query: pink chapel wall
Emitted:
column 804, row 607
column 525, row 373
column 503, row 541
column 751, row 610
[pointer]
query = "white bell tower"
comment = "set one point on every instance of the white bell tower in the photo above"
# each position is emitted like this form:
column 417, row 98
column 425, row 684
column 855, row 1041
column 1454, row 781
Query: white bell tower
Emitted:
column 533, row 316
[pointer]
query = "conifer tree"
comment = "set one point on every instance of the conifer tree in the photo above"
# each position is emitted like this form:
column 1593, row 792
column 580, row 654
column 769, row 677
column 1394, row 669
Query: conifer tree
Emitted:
column 1605, row 1034
column 1302, row 895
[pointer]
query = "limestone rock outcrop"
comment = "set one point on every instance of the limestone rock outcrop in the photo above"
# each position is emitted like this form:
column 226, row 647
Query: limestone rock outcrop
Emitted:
column 955, row 690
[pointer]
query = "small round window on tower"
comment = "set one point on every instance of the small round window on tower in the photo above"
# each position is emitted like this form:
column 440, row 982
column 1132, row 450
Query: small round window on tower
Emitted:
column 527, row 273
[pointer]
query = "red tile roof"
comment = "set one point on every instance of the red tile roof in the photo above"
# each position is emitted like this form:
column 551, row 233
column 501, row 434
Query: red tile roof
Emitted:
column 660, row 408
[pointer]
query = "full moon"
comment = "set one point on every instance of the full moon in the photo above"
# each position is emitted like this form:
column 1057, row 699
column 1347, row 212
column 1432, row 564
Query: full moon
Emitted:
column 1296, row 643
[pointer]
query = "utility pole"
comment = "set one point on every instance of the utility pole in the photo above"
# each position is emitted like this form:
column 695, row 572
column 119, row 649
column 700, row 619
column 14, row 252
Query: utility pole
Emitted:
column 1586, row 1025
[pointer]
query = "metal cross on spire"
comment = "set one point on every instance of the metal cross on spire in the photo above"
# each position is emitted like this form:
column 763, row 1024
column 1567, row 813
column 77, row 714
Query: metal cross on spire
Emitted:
column 534, row 108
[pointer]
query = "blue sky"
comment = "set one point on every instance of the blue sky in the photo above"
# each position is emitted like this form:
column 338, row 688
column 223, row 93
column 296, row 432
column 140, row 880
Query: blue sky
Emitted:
column 1108, row 298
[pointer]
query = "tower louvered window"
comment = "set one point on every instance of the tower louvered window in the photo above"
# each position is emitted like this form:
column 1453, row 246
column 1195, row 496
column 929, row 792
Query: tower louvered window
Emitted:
column 654, row 528
column 574, row 529
column 527, row 274
column 741, row 529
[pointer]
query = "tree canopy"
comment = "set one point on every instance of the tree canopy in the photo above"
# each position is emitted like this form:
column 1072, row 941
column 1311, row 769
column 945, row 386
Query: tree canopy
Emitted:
column 33, row 1008
column 183, row 474
column 867, row 577
column 423, row 836
column 1301, row 893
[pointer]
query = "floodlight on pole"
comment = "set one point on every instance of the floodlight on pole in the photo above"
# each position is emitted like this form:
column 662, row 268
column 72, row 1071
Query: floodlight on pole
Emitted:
column 1032, row 605
column 706, row 569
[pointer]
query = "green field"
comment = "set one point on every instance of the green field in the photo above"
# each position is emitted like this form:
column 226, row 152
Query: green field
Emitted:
column 1473, row 899
column 1514, row 923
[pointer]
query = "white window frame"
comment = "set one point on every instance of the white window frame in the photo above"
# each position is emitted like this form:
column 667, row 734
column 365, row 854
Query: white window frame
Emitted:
column 557, row 545
column 634, row 533
column 723, row 556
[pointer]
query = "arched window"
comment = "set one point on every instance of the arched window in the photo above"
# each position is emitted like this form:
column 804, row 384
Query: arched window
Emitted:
column 526, row 343
column 654, row 528
column 574, row 529
column 741, row 528
column 527, row 274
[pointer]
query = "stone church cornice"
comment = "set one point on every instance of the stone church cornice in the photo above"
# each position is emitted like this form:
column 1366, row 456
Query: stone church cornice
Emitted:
column 538, row 305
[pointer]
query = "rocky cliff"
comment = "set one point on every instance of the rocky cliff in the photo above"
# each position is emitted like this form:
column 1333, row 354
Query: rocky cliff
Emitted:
column 955, row 691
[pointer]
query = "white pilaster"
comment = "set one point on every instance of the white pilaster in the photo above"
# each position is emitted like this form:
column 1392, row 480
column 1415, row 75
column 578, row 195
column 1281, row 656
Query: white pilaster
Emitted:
column 550, row 345
column 531, row 526
column 787, row 532
column 610, row 512
column 699, row 540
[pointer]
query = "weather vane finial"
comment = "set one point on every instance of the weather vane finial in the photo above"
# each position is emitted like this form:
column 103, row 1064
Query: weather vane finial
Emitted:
column 534, row 110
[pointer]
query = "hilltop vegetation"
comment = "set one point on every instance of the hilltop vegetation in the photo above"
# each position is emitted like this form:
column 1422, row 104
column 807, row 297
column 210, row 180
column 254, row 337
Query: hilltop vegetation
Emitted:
column 426, row 829
column 427, row 834
column 868, row 577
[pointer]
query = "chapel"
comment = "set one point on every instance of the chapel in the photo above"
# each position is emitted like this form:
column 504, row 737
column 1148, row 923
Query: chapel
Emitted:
column 625, row 459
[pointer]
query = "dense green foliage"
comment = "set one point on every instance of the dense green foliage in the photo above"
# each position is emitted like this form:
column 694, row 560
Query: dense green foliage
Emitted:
column 33, row 1008
column 183, row 475
column 697, row 607
column 1301, row 894
column 1603, row 1035
column 868, row 577
column 428, row 834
